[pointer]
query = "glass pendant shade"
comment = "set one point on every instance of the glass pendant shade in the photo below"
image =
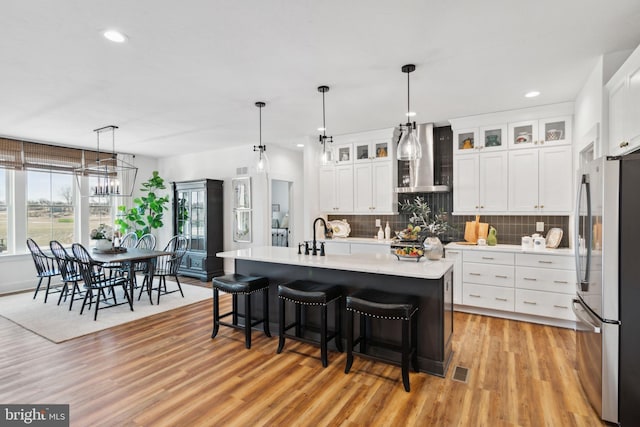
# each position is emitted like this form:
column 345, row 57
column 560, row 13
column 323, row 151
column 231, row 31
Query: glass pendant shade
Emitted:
column 408, row 147
column 262, row 163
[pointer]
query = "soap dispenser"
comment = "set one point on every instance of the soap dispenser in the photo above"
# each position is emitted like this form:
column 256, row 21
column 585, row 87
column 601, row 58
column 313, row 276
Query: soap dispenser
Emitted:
column 387, row 231
column 380, row 233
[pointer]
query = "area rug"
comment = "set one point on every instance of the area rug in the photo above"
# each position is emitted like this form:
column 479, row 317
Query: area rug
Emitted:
column 57, row 324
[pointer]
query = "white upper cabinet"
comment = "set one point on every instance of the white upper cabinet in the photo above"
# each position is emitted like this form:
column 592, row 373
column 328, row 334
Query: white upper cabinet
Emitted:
column 343, row 154
column 465, row 141
column 377, row 150
column 549, row 131
column 485, row 138
column 336, row 189
column 624, row 107
column 480, row 183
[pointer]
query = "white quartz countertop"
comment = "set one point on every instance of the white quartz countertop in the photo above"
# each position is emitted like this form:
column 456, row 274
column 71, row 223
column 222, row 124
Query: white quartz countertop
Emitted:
column 365, row 240
column 366, row 263
column 510, row 248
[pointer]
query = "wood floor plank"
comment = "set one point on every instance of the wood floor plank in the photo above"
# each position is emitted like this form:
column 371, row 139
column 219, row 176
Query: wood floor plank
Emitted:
column 166, row 370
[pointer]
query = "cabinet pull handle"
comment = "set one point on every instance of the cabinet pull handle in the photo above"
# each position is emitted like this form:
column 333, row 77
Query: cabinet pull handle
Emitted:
column 481, row 207
column 562, row 282
column 560, row 306
column 487, row 257
column 536, row 206
column 541, row 206
column 474, row 295
column 624, row 144
column 453, row 252
column 531, row 279
column 475, row 274
column 530, row 302
column 500, row 276
column 545, row 262
column 501, row 299
column 476, row 206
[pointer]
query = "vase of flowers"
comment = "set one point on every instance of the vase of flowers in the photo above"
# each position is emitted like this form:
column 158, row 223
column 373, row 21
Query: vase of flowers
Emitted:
column 103, row 236
column 431, row 224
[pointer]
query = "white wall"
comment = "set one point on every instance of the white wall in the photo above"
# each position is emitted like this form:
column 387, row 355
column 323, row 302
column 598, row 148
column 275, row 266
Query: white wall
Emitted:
column 285, row 165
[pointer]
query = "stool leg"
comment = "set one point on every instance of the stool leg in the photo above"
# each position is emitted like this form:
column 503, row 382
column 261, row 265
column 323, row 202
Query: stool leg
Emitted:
column 363, row 334
column 323, row 335
column 414, row 341
column 265, row 310
column 247, row 320
column 298, row 320
column 349, row 342
column 216, row 313
column 338, row 326
column 405, row 354
column 281, row 326
column 234, row 308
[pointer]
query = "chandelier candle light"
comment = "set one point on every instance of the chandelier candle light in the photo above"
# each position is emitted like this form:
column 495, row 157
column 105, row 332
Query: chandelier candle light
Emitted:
column 113, row 177
column 324, row 138
column 408, row 147
column 262, row 165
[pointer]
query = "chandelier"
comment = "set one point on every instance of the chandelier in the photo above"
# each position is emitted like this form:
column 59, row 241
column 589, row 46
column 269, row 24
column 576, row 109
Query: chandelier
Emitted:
column 408, row 147
column 108, row 175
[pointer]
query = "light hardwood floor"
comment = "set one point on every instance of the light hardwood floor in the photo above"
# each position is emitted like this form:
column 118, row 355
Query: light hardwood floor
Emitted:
column 165, row 370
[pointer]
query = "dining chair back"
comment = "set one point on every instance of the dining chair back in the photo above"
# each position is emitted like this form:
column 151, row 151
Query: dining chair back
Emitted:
column 96, row 281
column 167, row 265
column 147, row 241
column 129, row 240
column 69, row 270
column 46, row 267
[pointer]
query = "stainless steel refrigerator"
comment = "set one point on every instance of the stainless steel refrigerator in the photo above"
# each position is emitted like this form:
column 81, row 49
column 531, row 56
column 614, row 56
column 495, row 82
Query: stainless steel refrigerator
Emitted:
column 607, row 303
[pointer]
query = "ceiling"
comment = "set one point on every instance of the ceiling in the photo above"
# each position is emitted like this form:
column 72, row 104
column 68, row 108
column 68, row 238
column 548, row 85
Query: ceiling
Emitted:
column 190, row 73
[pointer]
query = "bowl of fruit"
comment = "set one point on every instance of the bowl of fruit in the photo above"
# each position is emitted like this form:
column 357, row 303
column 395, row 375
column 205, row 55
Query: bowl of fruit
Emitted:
column 409, row 252
column 409, row 234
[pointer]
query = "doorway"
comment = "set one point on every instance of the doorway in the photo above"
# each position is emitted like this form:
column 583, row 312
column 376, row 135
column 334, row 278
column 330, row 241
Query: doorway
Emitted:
column 280, row 212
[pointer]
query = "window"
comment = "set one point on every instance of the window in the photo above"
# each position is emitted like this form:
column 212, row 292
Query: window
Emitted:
column 50, row 207
column 4, row 219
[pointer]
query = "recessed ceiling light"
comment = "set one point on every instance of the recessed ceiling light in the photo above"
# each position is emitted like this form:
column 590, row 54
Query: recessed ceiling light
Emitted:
column 320, row 129
column 410, row 114
column 114, row 36
column 532, row 94
column 300, row 145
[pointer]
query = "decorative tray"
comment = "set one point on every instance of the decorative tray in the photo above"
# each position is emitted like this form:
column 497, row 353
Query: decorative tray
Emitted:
column 401, row 253
column 409, row 257
column 114, row 250
column 340, row 228
column 554, row 236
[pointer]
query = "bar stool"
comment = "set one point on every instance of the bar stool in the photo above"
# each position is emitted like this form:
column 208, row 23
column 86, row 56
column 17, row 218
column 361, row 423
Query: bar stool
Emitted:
column 237, row 284
column 302, row 292
column 383, row 305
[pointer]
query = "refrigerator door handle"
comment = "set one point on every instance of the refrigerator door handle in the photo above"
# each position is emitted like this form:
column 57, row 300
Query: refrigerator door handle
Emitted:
column 583, row 281
column 586, row 319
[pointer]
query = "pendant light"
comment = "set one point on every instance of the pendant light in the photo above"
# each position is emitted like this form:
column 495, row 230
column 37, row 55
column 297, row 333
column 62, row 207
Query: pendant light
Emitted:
column 262, row 163
column 408, row 147
column 326, row 154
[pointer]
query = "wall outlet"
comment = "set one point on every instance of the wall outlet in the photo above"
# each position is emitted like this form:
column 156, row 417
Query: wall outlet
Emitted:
column 377, row 222
column 539, row 226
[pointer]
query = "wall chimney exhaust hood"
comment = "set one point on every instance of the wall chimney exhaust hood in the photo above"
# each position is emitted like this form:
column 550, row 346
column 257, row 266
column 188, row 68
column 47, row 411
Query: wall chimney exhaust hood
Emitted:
column 418, row 176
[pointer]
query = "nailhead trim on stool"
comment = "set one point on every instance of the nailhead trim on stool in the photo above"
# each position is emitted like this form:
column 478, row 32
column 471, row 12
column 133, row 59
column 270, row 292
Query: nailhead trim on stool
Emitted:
column 301, row 292
column 373, row 303
column 237, row 284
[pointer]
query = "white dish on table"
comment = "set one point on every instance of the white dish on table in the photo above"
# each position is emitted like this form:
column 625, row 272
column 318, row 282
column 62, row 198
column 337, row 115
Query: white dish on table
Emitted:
column 340, row 228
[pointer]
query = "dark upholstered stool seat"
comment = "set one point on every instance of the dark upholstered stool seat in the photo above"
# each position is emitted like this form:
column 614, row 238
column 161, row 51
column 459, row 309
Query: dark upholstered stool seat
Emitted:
column 384, row 305
column 237, row 284
column 302, row 292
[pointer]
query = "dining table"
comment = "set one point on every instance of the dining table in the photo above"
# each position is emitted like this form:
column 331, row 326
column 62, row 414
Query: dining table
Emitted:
column 128, row 257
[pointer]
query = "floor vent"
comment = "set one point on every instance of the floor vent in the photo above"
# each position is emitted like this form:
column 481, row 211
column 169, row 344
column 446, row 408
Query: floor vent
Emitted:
column 460, row 374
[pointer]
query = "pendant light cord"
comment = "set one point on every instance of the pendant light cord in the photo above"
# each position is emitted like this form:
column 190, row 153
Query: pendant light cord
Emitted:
column 408, row 101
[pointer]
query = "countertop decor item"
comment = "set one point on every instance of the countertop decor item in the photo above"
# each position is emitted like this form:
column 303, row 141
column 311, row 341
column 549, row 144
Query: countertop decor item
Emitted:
column 492, row 238
column 554, row 236
column 341, row 228
column 431, row 223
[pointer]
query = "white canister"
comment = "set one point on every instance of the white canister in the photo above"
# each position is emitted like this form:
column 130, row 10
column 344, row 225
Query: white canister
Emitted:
column 482, row 242
column 539, row 243
column 527, row 243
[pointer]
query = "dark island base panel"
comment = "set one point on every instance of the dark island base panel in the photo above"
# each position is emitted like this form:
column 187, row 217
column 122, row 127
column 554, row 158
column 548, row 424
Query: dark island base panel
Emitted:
column 435, row 314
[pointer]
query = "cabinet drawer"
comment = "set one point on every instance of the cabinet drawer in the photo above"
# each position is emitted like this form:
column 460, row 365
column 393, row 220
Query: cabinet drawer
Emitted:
column 546, row 279
column 548, row 261
column 495, row 297
column 487, row 257
column 544, row 304
column 487, row 274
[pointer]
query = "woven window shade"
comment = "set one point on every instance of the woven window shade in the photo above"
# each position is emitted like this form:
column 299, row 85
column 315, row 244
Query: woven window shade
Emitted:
column 42, row 156
column 10, row 153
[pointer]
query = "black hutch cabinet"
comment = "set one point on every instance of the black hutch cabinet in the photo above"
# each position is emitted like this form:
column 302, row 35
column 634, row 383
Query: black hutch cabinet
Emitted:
column 197, row 213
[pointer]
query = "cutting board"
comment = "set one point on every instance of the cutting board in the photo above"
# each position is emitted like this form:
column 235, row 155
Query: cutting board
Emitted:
column 475, row 230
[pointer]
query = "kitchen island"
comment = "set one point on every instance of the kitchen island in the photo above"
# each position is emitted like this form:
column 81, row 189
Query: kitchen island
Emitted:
column 430, row 281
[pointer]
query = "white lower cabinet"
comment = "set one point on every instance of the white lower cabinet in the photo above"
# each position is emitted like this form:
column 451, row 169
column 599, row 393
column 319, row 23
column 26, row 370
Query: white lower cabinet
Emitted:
column 510, row 281
column 456, row 257
column 346, row 248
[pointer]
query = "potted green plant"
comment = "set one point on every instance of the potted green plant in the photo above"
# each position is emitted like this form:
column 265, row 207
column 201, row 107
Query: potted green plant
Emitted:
column 148, row 212
column 432, row 225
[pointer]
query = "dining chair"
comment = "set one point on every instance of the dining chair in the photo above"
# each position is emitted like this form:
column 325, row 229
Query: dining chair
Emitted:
column 129, row 240
column 46, row 267
column 70, row 272
column 146, row 241
column 95, row 280
column 167, row 265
